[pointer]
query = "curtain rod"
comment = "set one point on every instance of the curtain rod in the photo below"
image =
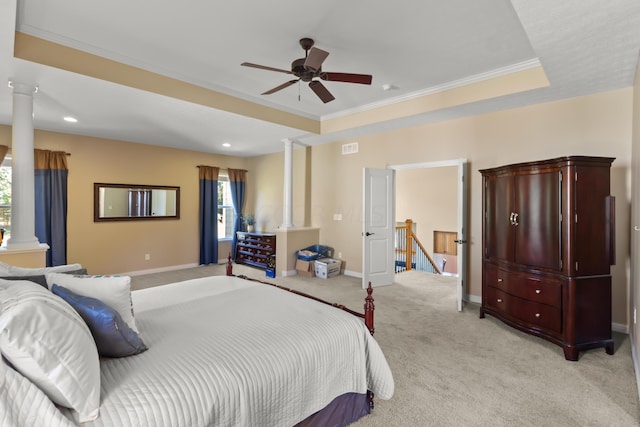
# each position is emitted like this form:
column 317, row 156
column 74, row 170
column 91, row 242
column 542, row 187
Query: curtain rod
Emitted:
column 67, row 154
column 222, row 169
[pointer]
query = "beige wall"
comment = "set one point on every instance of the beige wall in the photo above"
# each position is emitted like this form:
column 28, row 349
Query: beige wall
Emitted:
column 429, row 197
column 117, row 247
column 598, row 125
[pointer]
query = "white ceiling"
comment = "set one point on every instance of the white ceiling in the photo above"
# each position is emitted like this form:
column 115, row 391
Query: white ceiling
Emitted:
column 414, row 46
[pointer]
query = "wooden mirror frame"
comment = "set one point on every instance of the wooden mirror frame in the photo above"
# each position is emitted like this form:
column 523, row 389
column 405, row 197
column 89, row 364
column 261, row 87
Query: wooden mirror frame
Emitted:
column 125, row 207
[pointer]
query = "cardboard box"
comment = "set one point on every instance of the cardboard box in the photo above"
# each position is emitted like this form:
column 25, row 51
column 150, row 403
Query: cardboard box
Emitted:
column 327, row 267
column 305, row 268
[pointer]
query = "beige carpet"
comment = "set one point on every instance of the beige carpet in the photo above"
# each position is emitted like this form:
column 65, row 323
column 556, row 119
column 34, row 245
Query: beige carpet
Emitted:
column 454, row 369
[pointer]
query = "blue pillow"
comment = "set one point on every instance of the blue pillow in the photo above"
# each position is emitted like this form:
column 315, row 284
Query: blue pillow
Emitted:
column 113, row 337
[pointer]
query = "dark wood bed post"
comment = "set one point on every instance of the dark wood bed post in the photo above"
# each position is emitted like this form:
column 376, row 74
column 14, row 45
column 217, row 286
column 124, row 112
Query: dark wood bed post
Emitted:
column 369, row 307
column 229, row 265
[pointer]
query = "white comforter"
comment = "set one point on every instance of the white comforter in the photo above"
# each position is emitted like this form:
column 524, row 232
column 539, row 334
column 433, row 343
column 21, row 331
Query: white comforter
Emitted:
column 226, row 352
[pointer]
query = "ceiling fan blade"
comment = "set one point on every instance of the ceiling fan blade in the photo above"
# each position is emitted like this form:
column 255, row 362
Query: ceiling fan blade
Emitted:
column 264, row 67
column 322, row 92
column 315, row 59
column 364, row 79
column 282, row 86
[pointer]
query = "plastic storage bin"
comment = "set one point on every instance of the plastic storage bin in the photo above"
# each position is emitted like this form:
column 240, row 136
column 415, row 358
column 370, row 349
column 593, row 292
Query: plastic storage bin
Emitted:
column 315, row 252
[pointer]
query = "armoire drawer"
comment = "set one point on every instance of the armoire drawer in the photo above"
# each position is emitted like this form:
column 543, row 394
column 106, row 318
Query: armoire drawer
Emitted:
column 531, row 288
column 539, row 315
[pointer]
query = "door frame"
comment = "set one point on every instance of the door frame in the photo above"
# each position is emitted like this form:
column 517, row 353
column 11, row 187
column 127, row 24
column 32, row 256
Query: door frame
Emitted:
column 462, row 216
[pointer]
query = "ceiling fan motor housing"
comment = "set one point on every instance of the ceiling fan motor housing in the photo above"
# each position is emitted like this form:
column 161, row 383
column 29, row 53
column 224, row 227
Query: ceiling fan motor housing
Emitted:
column 298, row 69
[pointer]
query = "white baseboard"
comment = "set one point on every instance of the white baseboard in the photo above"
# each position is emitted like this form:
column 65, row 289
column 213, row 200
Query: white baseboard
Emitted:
column 353, row 274
column 473, row 298
column 619, row 327
column 160, row 269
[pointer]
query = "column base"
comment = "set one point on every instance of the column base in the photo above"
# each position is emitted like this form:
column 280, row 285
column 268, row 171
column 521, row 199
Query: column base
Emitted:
column 13, row 244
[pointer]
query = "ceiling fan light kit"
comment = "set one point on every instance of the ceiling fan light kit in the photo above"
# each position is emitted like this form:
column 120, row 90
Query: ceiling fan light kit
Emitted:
column 309, row 68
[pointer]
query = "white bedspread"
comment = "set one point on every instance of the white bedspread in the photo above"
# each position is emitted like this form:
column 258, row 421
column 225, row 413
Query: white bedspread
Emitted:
column 228, row 352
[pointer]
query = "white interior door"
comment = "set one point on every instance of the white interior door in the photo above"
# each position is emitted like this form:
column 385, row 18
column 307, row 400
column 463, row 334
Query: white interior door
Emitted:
column 462, row 232
column 378, row 230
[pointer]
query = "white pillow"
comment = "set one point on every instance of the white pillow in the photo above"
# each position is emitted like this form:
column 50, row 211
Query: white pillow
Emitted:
column 115, row 291
column 12, row 270
column 48, row 342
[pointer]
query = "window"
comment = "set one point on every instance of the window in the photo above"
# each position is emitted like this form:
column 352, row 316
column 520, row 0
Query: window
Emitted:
column 226, row 213
column 5, row 197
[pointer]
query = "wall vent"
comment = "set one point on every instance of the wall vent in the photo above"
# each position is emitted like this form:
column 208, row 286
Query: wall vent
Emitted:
column 350, row 148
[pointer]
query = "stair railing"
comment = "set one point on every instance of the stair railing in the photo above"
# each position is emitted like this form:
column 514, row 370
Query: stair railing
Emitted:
column 410, row 254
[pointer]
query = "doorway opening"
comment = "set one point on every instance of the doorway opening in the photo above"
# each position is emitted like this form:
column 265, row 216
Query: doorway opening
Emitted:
column 435, row 193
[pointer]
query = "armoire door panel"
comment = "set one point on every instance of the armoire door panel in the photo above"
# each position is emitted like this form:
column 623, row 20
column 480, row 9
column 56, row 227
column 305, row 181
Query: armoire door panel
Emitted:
column 591, row 223
column 498, row 215
column 537, row 223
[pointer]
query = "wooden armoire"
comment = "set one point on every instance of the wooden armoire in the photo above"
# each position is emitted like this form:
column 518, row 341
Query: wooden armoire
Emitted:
column 548, row 244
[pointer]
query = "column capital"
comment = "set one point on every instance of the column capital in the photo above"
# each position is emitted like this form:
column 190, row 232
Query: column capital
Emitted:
column 23, row 88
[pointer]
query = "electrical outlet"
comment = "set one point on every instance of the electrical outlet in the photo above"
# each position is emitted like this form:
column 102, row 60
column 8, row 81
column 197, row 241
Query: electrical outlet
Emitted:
column 147, row 257
column 339, row 255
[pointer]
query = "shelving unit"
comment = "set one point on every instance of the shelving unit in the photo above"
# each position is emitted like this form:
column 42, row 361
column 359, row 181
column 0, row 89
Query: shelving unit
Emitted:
column 253, row 249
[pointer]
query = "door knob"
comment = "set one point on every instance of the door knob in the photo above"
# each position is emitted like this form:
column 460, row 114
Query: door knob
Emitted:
column 368, row 234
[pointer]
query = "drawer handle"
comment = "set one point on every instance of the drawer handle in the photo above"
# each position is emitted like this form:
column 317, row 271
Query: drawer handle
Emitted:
column 499, row 300
column 538, row 315
column 538, row 291
column 500, row 280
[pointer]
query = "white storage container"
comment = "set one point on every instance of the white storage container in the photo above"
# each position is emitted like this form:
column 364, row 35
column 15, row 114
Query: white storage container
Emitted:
column 327, row 267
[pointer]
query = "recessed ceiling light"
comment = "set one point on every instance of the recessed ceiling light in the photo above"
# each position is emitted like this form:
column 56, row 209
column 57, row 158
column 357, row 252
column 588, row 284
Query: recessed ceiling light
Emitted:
column 226, row 144
column 70, row 119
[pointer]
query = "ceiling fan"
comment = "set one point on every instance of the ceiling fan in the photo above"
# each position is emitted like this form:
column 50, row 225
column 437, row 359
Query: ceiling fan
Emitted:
column 310, row 67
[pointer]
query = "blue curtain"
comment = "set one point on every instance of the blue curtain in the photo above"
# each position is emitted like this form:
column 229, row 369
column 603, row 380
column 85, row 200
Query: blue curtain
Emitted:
column 237, row 181
column 208, row 214
column 50, row 168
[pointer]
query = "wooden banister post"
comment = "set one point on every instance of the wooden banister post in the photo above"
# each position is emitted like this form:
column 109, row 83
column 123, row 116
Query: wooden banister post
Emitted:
column 409, row 246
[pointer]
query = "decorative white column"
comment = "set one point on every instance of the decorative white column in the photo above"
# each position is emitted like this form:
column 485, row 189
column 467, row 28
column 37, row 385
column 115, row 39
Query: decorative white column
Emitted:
column 23, row 228
column 288, row 184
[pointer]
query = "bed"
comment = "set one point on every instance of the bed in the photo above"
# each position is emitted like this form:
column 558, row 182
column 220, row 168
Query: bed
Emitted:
column 226, row 351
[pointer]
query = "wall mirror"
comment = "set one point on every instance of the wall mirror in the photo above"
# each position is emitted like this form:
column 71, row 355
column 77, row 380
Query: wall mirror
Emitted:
column 128, row 202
